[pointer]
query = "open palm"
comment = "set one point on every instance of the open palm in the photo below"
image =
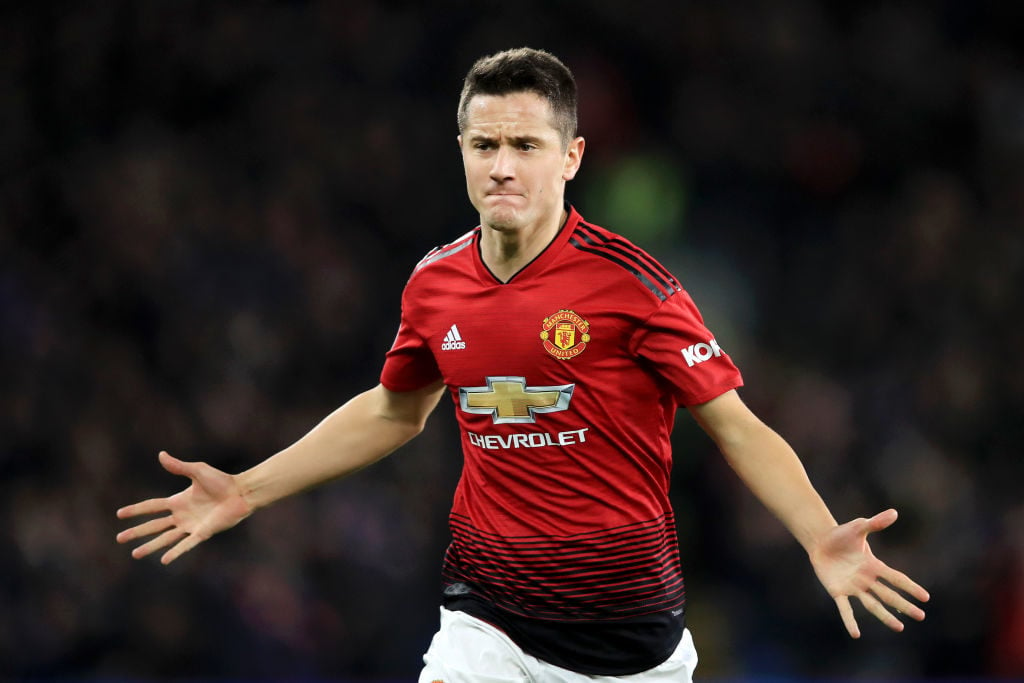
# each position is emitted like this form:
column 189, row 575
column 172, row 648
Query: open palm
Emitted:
column 847, row 568
column 210, row 505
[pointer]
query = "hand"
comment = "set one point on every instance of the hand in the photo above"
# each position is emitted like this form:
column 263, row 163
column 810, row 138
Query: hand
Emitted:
column 846, row 567
column 213, row 503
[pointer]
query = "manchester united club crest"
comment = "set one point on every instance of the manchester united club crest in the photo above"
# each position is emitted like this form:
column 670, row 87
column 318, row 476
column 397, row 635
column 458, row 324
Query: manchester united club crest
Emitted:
column 565, row 334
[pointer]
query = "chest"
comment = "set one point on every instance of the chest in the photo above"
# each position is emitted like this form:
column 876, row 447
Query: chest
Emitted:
column 550, row 331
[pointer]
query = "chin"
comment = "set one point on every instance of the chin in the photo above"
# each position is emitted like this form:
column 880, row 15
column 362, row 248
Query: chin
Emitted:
column 502, row 220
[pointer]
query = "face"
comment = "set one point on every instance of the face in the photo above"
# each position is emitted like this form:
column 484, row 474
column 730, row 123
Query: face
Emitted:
column 515, row 161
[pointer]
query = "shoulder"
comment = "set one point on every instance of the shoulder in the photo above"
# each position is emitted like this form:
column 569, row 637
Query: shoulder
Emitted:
column 440, row 262
column 625, row 258
column 438, row 254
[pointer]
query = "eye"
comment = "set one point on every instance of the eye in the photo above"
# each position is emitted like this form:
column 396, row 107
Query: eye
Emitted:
column 483, row 145
column 527, row 146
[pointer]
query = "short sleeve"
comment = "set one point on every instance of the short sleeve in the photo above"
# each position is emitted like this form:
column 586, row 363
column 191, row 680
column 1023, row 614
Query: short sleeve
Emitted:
column 410, row 364
column 677, row 345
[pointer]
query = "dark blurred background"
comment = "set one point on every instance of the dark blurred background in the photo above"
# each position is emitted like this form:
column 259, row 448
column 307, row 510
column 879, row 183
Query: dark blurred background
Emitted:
column 207, row 214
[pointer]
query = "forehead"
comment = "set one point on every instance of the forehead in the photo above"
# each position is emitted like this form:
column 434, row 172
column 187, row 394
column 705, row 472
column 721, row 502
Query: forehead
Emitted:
column 520, row 111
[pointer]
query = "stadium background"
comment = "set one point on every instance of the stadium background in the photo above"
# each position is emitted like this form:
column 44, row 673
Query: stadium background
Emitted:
column 207, row 213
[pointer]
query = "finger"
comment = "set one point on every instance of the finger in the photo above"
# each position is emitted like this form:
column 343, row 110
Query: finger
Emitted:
column 882, row 520
column 163, row 540
column 900, row 580
column 879, row 611
column 186, row 544
column 897, row 601
column 846, row 613
column 175, row 466
column 153, row 526
column 146, row 507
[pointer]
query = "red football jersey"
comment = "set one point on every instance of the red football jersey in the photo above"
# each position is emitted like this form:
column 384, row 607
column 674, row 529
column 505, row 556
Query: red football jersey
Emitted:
column 565, row 380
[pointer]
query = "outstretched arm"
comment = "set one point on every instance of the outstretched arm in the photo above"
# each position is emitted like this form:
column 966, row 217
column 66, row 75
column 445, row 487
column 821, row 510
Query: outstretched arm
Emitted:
column 364, row 430
column 840, row 554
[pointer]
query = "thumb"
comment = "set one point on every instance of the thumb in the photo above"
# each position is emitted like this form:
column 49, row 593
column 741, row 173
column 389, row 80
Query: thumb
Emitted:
column 882, row 520
column 175, row 466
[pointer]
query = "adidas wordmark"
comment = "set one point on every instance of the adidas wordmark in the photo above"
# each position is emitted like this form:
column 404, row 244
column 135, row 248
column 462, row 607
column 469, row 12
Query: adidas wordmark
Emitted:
column 453, row 340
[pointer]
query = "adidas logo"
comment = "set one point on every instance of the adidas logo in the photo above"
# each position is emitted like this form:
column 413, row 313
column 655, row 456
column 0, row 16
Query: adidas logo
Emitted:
column 453, row 340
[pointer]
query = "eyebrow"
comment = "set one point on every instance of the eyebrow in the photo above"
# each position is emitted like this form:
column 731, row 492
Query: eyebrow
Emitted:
column 515, row 139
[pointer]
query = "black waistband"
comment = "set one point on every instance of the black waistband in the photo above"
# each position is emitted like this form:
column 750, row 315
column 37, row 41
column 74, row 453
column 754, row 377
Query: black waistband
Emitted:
column 603, row 648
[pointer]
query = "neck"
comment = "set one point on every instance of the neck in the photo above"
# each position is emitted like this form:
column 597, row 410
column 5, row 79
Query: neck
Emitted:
column 506, row 251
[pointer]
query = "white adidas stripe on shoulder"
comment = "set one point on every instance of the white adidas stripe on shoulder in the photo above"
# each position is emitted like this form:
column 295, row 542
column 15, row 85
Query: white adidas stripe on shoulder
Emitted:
column 438, row 253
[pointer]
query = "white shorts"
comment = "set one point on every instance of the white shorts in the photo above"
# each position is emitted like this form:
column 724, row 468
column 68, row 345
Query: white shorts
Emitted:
column 468, row 650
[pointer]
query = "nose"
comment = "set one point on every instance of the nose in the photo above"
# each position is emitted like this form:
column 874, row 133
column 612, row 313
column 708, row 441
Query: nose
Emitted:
column 503, row 166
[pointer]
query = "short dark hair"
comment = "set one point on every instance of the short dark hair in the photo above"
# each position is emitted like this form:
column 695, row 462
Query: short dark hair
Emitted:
column 524, row 69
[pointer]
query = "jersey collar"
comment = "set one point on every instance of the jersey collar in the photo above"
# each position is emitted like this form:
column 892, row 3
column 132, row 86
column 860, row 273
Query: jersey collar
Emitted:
column 541, row 261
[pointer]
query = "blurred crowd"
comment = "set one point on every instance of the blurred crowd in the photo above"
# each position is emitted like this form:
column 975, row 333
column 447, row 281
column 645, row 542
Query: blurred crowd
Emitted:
column 207, row 214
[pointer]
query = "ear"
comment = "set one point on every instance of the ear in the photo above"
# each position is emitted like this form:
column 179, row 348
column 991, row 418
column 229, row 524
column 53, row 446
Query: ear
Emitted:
column 459, row 140
column 573, row 158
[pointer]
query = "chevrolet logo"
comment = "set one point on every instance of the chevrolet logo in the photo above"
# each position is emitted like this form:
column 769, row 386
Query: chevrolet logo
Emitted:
column 508, row 399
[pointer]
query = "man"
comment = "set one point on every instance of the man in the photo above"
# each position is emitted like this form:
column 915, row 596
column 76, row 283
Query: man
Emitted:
column 566, row 351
